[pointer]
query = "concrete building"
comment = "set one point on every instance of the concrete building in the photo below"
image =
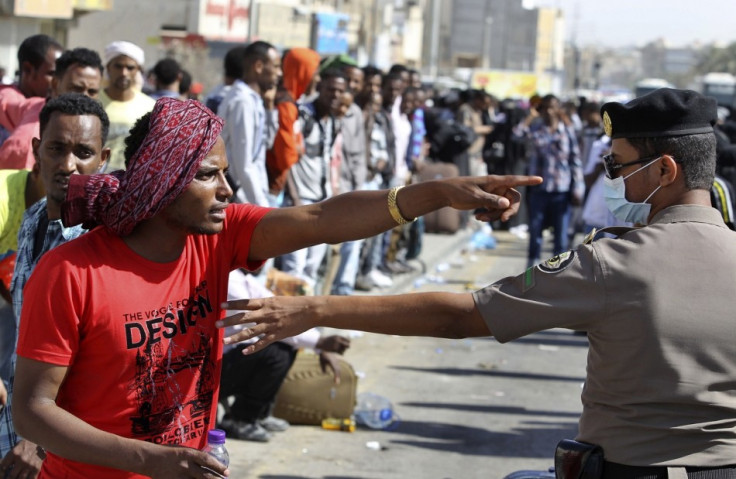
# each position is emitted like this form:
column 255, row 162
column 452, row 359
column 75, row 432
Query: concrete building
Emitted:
column 495, row 41
column 590, row 68
column 21, row 19
column 550, row 50
column 198, row 33
column 498, row 34
column 673, row 63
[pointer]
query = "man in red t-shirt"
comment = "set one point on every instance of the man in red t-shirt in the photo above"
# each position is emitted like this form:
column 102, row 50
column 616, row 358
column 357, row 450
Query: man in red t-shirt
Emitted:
column 118, row 351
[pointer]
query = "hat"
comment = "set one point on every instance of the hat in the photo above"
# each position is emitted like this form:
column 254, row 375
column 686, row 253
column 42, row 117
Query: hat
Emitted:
column 115, row 49
column 337, row 61
column 664, row 112
column 180, row 134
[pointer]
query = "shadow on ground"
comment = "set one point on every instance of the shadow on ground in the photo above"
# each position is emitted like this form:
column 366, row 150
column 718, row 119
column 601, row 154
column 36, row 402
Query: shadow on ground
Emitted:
column 467, row 440
column 491, row 373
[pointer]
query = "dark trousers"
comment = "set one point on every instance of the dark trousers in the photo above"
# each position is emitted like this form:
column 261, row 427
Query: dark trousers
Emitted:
column 618, row 471
column 254, row 379
column 547, row 209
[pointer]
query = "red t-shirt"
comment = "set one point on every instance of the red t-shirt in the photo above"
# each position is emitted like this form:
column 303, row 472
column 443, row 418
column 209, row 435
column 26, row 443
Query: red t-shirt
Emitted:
column 139, row 337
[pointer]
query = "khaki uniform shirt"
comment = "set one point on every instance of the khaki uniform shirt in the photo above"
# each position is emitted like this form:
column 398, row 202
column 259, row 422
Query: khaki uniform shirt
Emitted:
column 659, row 306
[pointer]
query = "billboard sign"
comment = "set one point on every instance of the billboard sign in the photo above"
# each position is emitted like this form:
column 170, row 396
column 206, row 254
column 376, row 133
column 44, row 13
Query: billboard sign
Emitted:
column 226, row 20
column 330, row 33
column 44, row 8
column 507, row 83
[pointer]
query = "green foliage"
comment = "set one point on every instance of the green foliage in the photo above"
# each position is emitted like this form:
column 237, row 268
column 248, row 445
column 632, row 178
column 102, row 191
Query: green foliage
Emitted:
column 718, row 59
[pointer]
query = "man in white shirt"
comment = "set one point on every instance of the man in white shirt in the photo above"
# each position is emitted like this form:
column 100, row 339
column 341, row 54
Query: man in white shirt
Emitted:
column 245, row 119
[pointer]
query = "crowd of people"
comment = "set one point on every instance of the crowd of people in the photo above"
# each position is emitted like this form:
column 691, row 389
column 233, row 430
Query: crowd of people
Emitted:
column 134, row 206
column 126, row 186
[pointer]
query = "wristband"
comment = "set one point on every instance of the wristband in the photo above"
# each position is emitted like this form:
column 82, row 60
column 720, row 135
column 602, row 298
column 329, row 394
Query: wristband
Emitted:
column 393, row 207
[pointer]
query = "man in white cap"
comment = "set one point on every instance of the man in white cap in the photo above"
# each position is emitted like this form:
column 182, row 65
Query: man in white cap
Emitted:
column 123, row 101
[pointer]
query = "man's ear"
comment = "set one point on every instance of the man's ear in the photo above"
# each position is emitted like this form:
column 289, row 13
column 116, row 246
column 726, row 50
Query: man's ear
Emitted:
column 54, row 87
column 258, row 66
column 26, row 68
column 35, row 145
column 104, row 157
column 668, row 170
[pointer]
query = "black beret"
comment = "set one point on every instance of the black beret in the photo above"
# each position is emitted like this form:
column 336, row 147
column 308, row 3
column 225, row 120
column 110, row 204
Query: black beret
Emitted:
column 663, row 112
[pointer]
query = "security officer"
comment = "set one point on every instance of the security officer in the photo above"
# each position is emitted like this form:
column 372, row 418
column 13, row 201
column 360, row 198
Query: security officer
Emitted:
column 657, row 302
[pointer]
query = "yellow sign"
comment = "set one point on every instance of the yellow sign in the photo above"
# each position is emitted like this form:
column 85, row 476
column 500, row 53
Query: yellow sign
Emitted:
column 93, row 4
column 506, row 84
column 43, row 8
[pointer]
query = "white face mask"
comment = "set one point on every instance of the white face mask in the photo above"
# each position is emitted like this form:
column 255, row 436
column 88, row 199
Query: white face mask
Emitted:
column 623, row 209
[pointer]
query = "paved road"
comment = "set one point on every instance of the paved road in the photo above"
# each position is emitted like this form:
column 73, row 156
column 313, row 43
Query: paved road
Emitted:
column 469, row 408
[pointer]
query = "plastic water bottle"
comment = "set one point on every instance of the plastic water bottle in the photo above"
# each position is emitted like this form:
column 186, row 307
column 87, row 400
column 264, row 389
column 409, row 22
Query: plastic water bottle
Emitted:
column 216, row 446
column 374, row 411
column 483, row 238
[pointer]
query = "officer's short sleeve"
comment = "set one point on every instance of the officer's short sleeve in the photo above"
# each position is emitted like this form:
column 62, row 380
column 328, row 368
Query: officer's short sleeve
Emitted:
column 566, row 291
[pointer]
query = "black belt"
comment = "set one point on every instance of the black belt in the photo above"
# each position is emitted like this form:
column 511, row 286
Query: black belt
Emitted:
column 612, row 470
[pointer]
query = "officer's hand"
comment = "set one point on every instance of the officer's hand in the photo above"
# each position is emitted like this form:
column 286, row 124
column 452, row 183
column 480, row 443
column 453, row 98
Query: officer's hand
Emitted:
column 274, row 319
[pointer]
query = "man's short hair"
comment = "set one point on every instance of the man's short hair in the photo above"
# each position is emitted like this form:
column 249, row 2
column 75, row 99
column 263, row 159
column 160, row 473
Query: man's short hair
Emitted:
column 389, row 78
column 254, row 52
column 371, row 71
column 590, row 107
column 137, row 134
column 233, row 62
column 398, row 68
column 695, row 153
column 333, row 72
column 78, row 105
column 167, row 71
column 411, row 90
column 185, row 84
column 79, row 56
column 34, row 48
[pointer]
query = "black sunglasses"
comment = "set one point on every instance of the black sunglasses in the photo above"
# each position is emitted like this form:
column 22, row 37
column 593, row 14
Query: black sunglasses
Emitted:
column 612, row 167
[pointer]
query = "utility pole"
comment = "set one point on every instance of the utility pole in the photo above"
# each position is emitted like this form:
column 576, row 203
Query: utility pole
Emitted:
column 575, row 49
column 486, row 59
column 435, row 39
column 251, row 19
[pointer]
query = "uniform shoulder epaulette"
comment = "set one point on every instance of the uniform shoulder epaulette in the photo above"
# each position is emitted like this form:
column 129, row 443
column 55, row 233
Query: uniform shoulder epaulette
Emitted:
column 616, row 231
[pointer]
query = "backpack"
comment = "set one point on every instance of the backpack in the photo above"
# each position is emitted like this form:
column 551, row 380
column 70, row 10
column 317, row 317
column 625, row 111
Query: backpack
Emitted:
column 449, row 139
column 722, row 197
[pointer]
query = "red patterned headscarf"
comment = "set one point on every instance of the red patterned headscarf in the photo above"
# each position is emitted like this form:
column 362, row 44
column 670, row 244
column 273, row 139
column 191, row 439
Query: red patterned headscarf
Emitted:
column 180, row 135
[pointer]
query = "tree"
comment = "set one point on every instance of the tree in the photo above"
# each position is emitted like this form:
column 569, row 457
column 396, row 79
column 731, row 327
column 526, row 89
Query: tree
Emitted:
column 718, row 59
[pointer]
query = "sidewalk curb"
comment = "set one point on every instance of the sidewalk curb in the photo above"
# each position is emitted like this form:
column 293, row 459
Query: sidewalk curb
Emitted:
column 436, row 248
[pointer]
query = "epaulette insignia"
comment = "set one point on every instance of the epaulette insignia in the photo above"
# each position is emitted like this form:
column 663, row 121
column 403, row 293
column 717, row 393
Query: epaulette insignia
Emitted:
column 611, row 231
column 557, row 263
column 590, row 236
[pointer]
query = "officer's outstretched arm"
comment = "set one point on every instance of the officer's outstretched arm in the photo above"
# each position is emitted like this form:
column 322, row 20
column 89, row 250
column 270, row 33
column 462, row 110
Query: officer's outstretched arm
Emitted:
column 442, row 315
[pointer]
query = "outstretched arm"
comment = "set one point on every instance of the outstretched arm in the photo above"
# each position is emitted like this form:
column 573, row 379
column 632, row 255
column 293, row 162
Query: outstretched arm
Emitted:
column 443, row 315
column 362, row 214
column 38, row 418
